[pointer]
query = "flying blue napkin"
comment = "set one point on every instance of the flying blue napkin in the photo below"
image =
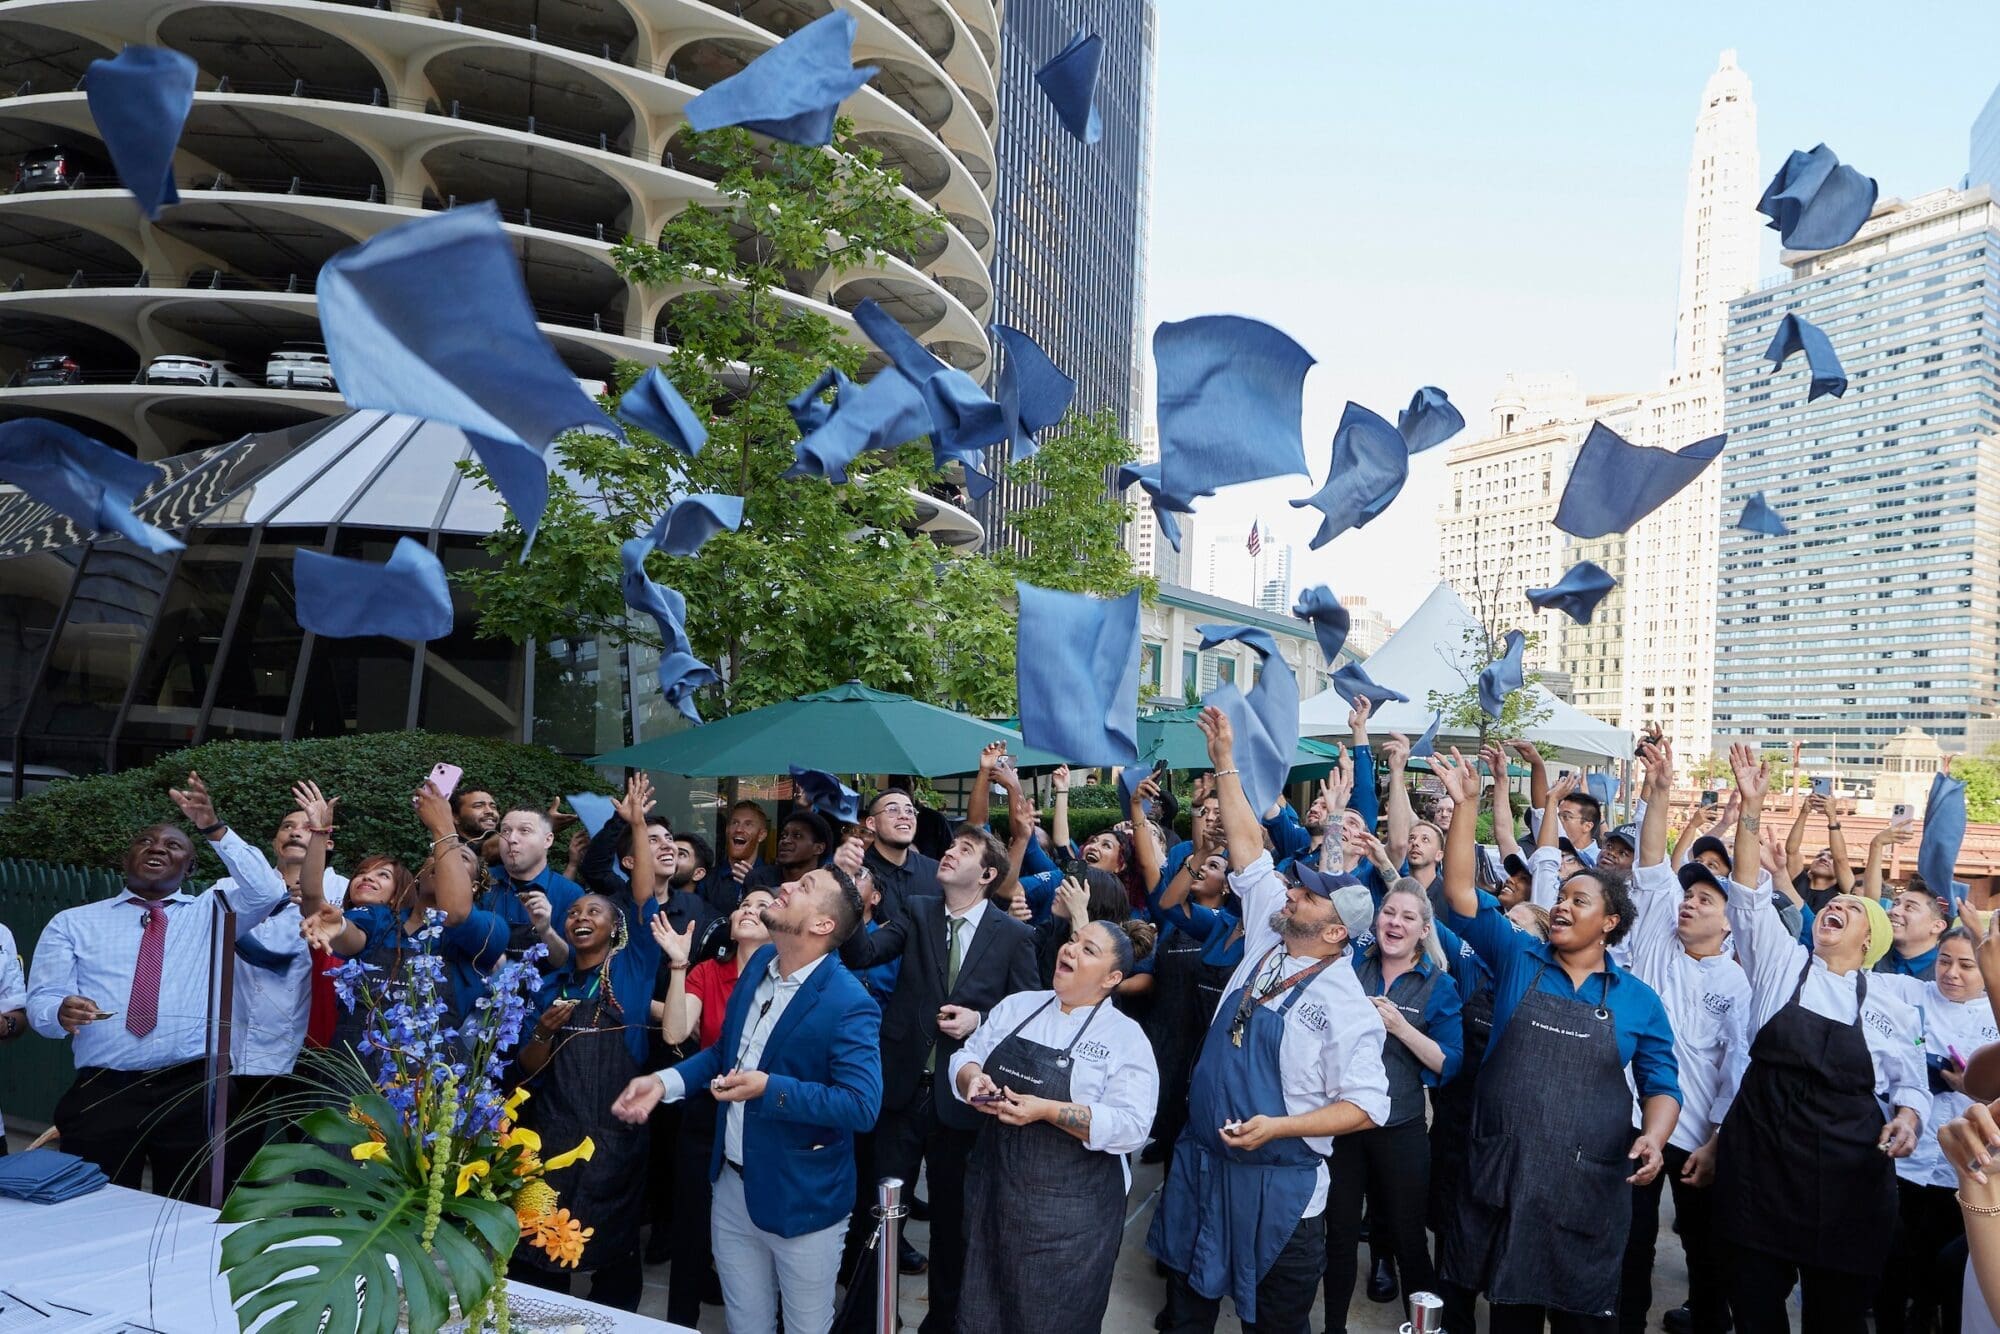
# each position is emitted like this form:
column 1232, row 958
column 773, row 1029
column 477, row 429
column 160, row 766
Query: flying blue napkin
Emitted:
column 1077, row 674
column 828, row 795
column 1329, row 619
column 653, row 404
column 882, row 414
column 809, row 410
column 140, row 99
column 1582, row 586
column 1069, row 81
column 1503, row 676
column 681, row 673
column 1944, row 831
column 84, row 480
column 792, row 91
column 1230, row 395
column 521, row 475
column 1614, row 483
column 1759, row 517
column 1265, row 720
column 1815, row 203
column 1601, row 786
column 1370, row 464
column 1352, row 683
column 692, row 520
column 1033, row 394
column 432, row 319
column 1427, row 743
column 1797, row 335
column 594, row 809
column 47, row 1176
column 405, row 597
column 964, row 420
column 1166, row 509
column 1429, row 420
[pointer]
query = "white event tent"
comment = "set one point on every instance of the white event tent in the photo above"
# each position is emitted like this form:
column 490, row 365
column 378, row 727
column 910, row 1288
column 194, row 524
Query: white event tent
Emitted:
column 1431, row 653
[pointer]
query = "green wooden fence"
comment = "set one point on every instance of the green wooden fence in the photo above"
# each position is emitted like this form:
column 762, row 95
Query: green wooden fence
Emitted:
column 33, row 1070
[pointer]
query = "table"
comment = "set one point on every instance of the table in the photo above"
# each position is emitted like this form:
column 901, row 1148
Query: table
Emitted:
column 120, row 1262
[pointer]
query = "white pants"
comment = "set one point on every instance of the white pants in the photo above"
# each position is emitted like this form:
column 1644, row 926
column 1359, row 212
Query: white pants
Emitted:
column 758, row 1268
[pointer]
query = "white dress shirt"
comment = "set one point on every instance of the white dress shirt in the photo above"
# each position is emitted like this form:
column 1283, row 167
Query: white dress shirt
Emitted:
column 1331, row 1050
column 1773, row 956
column 969, row 921
column 1949, row 1025
column 271, row 1009
column 767, row 1006
column 1111, row 1070
column 93, row 951
column 1708, row 1003
column 13, row 985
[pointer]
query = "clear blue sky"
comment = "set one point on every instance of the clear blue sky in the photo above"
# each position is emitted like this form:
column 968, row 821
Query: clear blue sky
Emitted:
column 1442, row 193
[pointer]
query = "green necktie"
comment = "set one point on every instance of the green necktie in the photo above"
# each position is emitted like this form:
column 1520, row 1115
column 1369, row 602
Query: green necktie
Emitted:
column 950, row 978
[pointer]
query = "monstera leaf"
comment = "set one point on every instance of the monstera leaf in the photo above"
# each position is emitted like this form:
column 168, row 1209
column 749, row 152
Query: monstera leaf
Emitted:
column 319, row 1230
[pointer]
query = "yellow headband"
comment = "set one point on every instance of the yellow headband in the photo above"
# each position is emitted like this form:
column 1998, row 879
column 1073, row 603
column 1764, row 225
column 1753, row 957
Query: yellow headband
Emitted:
column 1880, row 934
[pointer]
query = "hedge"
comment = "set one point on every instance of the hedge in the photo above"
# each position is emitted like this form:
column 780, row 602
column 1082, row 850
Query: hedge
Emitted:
column 1084, row 823
column 90, row 821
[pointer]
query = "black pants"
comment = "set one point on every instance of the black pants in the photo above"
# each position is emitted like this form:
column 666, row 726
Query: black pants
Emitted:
column 904, row 1140
column 617, row 1282
column 1284, row 1294
column 1393, row 1166
column 1926, row 1271
column 1532, row 1320
column 1694, row 1212
column 665, row 1129
column 1760, row 1285
column 126, row 1121
column 692, row 1262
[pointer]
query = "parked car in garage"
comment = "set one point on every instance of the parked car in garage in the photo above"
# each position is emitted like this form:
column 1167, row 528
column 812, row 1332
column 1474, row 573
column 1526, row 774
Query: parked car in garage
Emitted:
column 299, row 366
column 52, row 368
column 174, row 368
column 54, row 168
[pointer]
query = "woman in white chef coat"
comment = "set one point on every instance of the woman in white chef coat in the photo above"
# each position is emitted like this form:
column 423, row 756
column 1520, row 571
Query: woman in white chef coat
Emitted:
column 1925, row 1265
column 1071, row 1086
column 1836, row 1090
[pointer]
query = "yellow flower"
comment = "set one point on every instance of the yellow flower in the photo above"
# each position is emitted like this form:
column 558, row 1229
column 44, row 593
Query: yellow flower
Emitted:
column 512, row 1108
column 522, row 1136
column 467, row 1172
column 534, row 1202
column 369, row 1151
column 583, row 1152
column 563, row 1238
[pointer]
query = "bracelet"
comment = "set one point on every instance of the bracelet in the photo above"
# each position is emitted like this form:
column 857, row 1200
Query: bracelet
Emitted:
column 1224, row 773
column 315, row 829
column 209, row 830
column 1984, row 1211
column 442, row 838
column 1832, row 827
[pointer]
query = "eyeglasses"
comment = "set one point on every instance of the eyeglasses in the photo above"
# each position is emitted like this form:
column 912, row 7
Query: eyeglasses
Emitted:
column 895, row 808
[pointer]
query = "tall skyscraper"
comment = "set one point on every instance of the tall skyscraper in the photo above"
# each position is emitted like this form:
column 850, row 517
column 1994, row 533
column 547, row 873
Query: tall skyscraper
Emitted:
column 1069, row 264
column 1271, row 573
column 1668, row 582
column 1881, row 609
column 1983, row 167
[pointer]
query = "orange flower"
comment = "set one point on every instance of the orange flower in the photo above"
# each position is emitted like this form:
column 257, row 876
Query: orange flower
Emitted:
column 562, row 1238
column 532, row 1204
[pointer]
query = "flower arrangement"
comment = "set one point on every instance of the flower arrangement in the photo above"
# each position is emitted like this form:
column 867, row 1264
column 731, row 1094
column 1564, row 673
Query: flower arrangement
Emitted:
column 416, row 1193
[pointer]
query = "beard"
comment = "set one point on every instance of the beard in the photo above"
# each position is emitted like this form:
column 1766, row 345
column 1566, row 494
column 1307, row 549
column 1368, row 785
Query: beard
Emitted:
column 1290, row 928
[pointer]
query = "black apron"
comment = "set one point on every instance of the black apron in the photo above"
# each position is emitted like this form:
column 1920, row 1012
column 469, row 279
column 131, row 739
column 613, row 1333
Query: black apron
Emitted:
column 1544, row 1214
column 1177, row 1016
column 1039, row 1207
column 1451, row 1109
column 589, row 1066
column 1797, row 1171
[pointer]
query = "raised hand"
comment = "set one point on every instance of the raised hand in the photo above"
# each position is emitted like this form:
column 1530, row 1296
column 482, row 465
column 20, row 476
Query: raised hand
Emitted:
column 560, row 819
column 638, row 1100
column 1396, row 750
column 540, row 912
column 989, row 758
column 848, row 856
column 637, row 803
column 1460, row 779
column 1072, row 901
column 1357, row 718
column 194, row 801
column 322, row 927
column 1215, row 725
column 1059, row 778
column 677, row 946
column 1752, row 782
column 319, row 808
column 433, row 810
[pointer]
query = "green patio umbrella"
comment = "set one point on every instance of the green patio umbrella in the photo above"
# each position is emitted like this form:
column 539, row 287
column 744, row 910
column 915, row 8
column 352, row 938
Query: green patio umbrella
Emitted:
column 849, row 729
column 1173, row 736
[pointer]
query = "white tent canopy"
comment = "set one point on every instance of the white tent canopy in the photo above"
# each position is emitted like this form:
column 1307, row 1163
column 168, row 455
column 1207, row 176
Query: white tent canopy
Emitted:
column 1431, row 653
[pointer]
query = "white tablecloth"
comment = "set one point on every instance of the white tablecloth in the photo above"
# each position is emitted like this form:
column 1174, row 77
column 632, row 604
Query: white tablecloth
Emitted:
column 119, row 1262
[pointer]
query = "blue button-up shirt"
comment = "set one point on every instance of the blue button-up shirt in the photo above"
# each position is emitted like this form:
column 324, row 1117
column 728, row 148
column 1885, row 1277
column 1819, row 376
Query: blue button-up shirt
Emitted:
column 470, row 950
column 503, row 900
column 632, row 970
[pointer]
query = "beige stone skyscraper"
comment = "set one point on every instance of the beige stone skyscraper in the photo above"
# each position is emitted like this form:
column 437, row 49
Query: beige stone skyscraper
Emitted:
column 1670, row 557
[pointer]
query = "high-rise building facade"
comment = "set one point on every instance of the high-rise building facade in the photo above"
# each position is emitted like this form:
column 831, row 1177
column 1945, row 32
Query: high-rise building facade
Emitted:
column 1881, row 609
column 1069, row 265
column 1983, row 164
column 1271, row 573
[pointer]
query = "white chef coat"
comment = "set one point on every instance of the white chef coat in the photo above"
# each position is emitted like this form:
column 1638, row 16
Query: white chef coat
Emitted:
column 13, row 991
column 271, row 1009
column 1332, row 1045
column 1111, row 1070
column 1891, row 1027
column 1708, row 1003
column 1949, row 1025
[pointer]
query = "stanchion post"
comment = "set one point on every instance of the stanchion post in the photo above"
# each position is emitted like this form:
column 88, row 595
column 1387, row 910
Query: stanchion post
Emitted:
column 1426, row 1314
column 222, row 997
column 889, row 1212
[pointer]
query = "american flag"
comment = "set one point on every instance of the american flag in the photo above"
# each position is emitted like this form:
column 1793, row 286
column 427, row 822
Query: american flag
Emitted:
column 1255, row 541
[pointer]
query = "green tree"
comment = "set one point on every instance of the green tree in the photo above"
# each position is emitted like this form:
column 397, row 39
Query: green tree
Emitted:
column 822, row 583
column 1481, row 642
column 1982, row 787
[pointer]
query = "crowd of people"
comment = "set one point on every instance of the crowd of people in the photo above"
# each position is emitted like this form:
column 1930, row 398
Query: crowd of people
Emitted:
column 1361, row 1041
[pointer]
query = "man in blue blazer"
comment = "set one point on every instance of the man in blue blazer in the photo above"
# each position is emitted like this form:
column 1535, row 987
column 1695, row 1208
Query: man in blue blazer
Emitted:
column 798, row 1071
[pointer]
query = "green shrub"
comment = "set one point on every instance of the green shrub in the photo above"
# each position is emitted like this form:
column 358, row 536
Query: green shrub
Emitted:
column 90, row 821
column 1083, row 824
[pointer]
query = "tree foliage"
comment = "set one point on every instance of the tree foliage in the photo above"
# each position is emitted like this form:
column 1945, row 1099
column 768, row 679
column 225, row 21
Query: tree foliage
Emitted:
column 1982, row 787
column 822, row 583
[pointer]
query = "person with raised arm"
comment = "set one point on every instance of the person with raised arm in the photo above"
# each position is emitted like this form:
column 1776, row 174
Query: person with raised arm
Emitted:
column 1679, row 947
column 1542, row 1224
column 1292, row 1060
column 1807, row 1206
column 1898, row 831
column 1829, row 872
